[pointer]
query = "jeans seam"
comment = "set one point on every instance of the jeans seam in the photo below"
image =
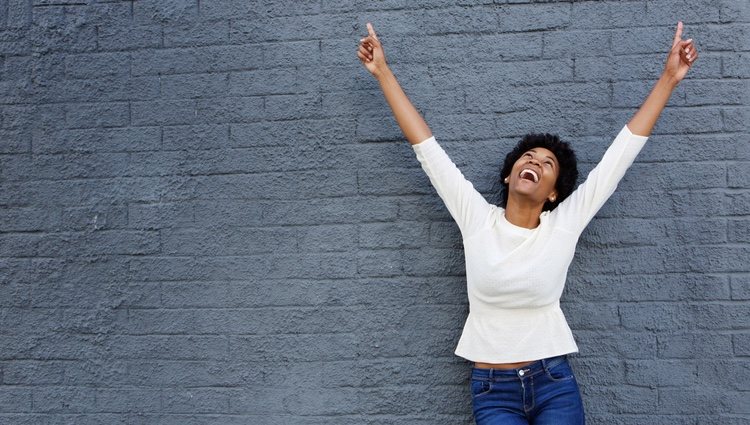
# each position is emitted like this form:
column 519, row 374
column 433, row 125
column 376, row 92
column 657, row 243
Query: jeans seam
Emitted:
column 549, row 374
column 495, row 379
column 489, row 388
column 533, row 395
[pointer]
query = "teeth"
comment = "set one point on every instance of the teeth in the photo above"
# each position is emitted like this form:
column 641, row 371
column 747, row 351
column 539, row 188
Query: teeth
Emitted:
column 532, row 172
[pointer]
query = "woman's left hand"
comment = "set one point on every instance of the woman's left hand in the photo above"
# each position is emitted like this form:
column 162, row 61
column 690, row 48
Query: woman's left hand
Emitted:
column 681, row 57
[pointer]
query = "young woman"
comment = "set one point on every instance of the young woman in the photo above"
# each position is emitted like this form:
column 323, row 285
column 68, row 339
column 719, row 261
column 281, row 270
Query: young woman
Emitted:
column 517, row 254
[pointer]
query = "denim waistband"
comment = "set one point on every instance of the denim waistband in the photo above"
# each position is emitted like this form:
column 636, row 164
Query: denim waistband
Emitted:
column 529, row 370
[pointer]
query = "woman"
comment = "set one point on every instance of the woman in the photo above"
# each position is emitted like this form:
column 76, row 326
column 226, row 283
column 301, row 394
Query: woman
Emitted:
column 517, row 254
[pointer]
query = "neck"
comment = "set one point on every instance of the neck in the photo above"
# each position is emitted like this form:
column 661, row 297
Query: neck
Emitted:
column 523, row 214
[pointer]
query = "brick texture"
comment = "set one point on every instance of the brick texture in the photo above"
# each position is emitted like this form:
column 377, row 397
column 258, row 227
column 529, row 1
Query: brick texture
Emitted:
column 208, row 214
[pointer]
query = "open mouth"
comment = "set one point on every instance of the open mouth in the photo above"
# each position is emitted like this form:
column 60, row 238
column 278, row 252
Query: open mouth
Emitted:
column 528, row 174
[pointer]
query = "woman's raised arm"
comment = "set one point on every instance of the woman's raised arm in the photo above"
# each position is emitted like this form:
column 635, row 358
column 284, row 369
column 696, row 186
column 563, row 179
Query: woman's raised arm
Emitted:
column 412, row 124
column 681, row 57
column 466, row 205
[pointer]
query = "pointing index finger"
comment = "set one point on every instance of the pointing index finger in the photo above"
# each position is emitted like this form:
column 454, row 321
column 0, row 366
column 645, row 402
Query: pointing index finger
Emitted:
column 678, row 33
column 371, row 31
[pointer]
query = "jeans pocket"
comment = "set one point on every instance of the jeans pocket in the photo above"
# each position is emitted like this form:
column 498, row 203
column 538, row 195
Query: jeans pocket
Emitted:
column 560, row 372
column 480, row 387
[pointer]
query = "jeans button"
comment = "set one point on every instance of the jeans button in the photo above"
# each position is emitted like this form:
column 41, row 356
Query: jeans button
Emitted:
column 521, row 372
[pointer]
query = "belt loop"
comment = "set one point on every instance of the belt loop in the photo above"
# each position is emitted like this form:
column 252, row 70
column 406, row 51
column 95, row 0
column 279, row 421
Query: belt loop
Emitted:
column 491, row 373
column 544, row 364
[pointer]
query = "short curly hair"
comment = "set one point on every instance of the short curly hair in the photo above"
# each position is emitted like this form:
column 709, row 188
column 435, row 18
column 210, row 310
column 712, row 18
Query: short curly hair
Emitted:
column 567, row 177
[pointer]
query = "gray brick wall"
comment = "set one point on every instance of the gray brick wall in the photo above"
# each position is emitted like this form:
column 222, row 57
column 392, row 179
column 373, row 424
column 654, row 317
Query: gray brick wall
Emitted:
column 209, row 216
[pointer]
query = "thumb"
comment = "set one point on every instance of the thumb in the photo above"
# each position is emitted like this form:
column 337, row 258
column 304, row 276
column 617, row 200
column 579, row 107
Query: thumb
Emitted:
column 683, row 43
column 677, row 34
column 371, row 31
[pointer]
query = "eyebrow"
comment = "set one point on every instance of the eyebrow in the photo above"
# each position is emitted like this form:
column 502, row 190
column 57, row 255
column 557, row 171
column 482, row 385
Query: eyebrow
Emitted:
column 547, row 156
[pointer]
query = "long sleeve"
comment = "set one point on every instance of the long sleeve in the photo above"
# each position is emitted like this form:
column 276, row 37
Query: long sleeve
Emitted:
column 466, row 205
column 576, row 211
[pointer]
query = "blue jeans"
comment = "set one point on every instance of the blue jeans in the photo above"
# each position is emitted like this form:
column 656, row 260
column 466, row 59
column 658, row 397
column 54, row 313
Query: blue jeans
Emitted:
column 542, row 393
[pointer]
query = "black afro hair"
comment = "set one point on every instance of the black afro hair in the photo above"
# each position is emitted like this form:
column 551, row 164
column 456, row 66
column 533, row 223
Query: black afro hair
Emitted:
column 566, row 180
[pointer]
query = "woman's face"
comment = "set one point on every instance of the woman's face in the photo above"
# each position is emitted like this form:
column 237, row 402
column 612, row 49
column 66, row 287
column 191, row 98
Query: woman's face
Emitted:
column 534, row 175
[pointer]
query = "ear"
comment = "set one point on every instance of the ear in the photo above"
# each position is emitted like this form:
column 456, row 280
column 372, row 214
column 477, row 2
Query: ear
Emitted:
column 507, row 179
column 552, row 196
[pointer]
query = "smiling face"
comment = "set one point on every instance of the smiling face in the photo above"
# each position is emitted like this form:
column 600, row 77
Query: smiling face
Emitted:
column 534, row 175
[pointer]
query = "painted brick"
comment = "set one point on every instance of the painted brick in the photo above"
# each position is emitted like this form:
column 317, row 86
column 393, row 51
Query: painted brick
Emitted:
column 692, row 12
column 196, row 33
column 242, row 242
column 169, row 347
column 741, row 344
column 126, row 400
column 15, row 399
column 661, row 373
column 165, row 11
column 208, row 213
column 97, row 115
column 287, row 106
column 333, row 210
column 577, row 44
column 129, row 37
column 731, row 37
column 229, row 110
column 194, row 86
column 735, row 119
column 645, row 287
column 109, row 88
column 737, row 66
column 14, row 141
column 97, row 140
column 196, row 59
column 163, row 112
column 740, row 287
column 676, row 400
column 738, row 174
column 97, row 65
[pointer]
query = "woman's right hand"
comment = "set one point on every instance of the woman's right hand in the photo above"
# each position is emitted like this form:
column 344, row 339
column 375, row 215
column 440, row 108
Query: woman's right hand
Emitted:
column 371, row 53
column 681, row 57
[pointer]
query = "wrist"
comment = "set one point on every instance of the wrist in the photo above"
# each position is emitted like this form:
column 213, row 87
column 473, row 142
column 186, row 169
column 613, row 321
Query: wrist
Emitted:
column 382, row 74
column 669, row 81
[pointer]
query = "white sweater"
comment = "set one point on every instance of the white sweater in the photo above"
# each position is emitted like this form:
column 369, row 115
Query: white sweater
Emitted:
column 515, row 276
